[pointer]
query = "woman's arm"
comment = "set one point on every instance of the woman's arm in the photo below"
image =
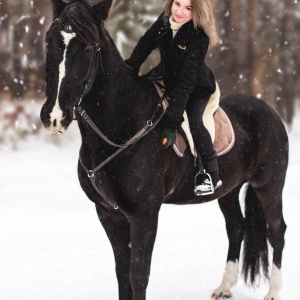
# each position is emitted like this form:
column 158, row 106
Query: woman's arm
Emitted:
column 192, row 65
column 190, row 70
column 145, row 45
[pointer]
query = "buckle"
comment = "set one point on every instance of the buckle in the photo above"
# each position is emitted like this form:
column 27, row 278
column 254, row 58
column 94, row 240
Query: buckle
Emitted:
column 91, row 174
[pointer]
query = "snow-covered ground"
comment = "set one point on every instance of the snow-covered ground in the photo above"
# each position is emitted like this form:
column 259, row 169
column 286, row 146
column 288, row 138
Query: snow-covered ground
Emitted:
column 52, row 246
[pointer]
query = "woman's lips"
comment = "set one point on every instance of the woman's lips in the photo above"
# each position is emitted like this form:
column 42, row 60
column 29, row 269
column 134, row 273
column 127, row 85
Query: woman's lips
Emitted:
column 178, row 17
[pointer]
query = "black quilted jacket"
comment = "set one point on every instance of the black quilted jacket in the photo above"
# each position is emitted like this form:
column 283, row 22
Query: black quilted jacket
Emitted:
column 184, row 71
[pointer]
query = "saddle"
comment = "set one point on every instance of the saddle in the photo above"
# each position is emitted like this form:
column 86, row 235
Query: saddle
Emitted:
column 215, row 120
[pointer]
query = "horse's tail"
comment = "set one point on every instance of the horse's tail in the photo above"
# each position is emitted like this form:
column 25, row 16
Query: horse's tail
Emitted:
column 255, row 254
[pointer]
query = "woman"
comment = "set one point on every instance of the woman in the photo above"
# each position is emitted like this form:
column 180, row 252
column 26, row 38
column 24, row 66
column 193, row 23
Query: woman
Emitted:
column 183, row 33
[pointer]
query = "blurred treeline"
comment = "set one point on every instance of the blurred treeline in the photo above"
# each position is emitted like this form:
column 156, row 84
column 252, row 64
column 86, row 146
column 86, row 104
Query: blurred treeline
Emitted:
column 258, row 54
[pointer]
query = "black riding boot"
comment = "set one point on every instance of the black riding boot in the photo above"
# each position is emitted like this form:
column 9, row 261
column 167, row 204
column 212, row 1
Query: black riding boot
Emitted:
column 207, row 180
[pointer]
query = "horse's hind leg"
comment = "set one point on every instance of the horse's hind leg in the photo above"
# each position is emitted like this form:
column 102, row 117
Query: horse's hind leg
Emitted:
column 231, row 210
column 270, row 197
column 118, row 231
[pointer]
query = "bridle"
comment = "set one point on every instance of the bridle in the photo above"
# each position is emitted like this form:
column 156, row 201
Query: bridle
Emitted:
column 97, row 57
column 148, row 127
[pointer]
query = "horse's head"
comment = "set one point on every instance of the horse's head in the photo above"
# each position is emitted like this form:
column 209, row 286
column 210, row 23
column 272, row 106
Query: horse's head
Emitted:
column 73, row 50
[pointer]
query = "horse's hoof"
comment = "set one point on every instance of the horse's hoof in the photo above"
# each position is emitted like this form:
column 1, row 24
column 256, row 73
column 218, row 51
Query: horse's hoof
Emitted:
column 272, row 297
column 223, row 295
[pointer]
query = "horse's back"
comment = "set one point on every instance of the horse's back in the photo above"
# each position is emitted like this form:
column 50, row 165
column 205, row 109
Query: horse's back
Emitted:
column 249, row 110
column 254, row 117
column 259, row 132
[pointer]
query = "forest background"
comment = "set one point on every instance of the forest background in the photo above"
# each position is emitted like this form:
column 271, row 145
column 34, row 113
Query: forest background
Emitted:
column 258, row 54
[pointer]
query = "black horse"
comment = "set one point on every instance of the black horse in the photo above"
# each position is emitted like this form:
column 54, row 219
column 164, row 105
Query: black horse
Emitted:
column 127, row 173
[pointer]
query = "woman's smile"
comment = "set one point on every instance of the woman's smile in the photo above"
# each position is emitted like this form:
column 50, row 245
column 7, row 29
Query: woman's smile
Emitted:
column 182, row 10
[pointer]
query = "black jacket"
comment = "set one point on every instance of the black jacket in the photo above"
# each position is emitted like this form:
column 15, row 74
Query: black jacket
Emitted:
column 184, row 71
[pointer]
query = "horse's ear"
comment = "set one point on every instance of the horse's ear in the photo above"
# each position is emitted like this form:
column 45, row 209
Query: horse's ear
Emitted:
column 58, row 6
column 102, row 9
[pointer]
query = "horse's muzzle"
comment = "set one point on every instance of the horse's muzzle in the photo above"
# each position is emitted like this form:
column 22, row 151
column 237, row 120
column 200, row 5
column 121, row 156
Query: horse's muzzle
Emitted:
column 55, row 122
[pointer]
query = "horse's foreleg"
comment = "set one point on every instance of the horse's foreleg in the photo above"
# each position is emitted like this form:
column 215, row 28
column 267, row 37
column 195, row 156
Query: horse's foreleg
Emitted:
column 231, row 210
column 143, row 233
column 118, row 231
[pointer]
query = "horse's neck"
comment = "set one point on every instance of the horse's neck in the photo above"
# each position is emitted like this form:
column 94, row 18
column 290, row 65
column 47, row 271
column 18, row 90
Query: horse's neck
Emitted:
column 117, row 85
column 115, row 101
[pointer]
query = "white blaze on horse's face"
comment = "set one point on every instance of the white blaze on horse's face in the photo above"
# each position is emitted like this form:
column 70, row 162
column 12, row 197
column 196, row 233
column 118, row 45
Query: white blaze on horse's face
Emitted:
column 56, row 116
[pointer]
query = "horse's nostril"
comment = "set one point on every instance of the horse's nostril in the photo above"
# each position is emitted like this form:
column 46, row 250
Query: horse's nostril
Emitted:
column 54, row 123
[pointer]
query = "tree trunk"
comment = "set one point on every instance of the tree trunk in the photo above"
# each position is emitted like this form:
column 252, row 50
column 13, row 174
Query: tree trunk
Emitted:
column 285, row 103
column 251, row 44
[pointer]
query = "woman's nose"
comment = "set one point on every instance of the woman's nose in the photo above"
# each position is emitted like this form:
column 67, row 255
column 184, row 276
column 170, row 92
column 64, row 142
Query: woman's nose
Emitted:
column 181, row 11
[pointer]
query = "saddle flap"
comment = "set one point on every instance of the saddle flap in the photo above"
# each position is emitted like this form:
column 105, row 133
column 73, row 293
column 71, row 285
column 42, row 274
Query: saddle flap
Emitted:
column 225, row 137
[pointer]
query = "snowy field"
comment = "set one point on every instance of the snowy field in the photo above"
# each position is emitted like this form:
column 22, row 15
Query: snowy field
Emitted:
column 54, row 248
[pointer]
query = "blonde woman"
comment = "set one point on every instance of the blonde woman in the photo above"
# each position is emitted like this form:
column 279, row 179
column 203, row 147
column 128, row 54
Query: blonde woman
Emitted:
column 183, row 33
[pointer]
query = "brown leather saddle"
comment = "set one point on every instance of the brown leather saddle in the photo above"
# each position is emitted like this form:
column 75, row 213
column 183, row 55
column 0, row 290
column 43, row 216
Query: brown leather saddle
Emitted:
column 224, row 133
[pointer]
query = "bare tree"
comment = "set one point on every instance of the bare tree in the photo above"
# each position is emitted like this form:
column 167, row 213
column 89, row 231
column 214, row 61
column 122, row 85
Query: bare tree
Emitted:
column 4, row 41
column 251, row 43
column 286, row 80
column 259, row 53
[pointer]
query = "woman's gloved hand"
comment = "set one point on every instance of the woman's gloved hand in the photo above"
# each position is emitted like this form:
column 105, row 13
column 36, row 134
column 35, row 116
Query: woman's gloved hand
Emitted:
column 173, row 117
column 168, row 136
column 171, row 120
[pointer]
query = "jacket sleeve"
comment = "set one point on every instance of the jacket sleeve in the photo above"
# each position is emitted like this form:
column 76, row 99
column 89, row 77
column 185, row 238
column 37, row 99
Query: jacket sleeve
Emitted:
column 190, row 71
column 145, row 45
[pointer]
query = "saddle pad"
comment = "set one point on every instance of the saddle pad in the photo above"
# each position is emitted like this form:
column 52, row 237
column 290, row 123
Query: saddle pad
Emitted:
column 224, row 135
column 221, row 131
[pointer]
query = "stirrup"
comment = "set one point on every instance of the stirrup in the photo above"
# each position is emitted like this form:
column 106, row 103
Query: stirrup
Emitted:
column 206, row 187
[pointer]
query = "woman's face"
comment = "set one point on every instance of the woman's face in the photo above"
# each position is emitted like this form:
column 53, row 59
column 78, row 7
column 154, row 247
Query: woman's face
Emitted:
column 182, row 10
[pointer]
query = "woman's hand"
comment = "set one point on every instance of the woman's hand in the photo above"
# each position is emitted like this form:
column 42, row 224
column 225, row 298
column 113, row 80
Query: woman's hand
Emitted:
column 173, row 117
column 168, row 136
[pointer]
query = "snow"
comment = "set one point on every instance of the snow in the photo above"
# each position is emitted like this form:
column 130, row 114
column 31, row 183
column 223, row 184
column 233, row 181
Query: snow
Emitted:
column 53, row 246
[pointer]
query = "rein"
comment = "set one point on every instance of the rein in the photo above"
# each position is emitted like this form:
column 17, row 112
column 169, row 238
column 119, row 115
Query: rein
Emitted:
column 148, row 127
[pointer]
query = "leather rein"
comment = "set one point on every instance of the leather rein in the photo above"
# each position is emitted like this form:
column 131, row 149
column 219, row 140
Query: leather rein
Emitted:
column 148, row 127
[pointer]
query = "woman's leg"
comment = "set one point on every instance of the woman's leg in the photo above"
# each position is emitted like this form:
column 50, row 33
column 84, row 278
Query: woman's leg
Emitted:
column 204, row 184
column 202, row 138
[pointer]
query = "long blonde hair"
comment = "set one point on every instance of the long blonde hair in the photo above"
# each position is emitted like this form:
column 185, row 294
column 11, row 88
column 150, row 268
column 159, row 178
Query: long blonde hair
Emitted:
column 203, row 16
